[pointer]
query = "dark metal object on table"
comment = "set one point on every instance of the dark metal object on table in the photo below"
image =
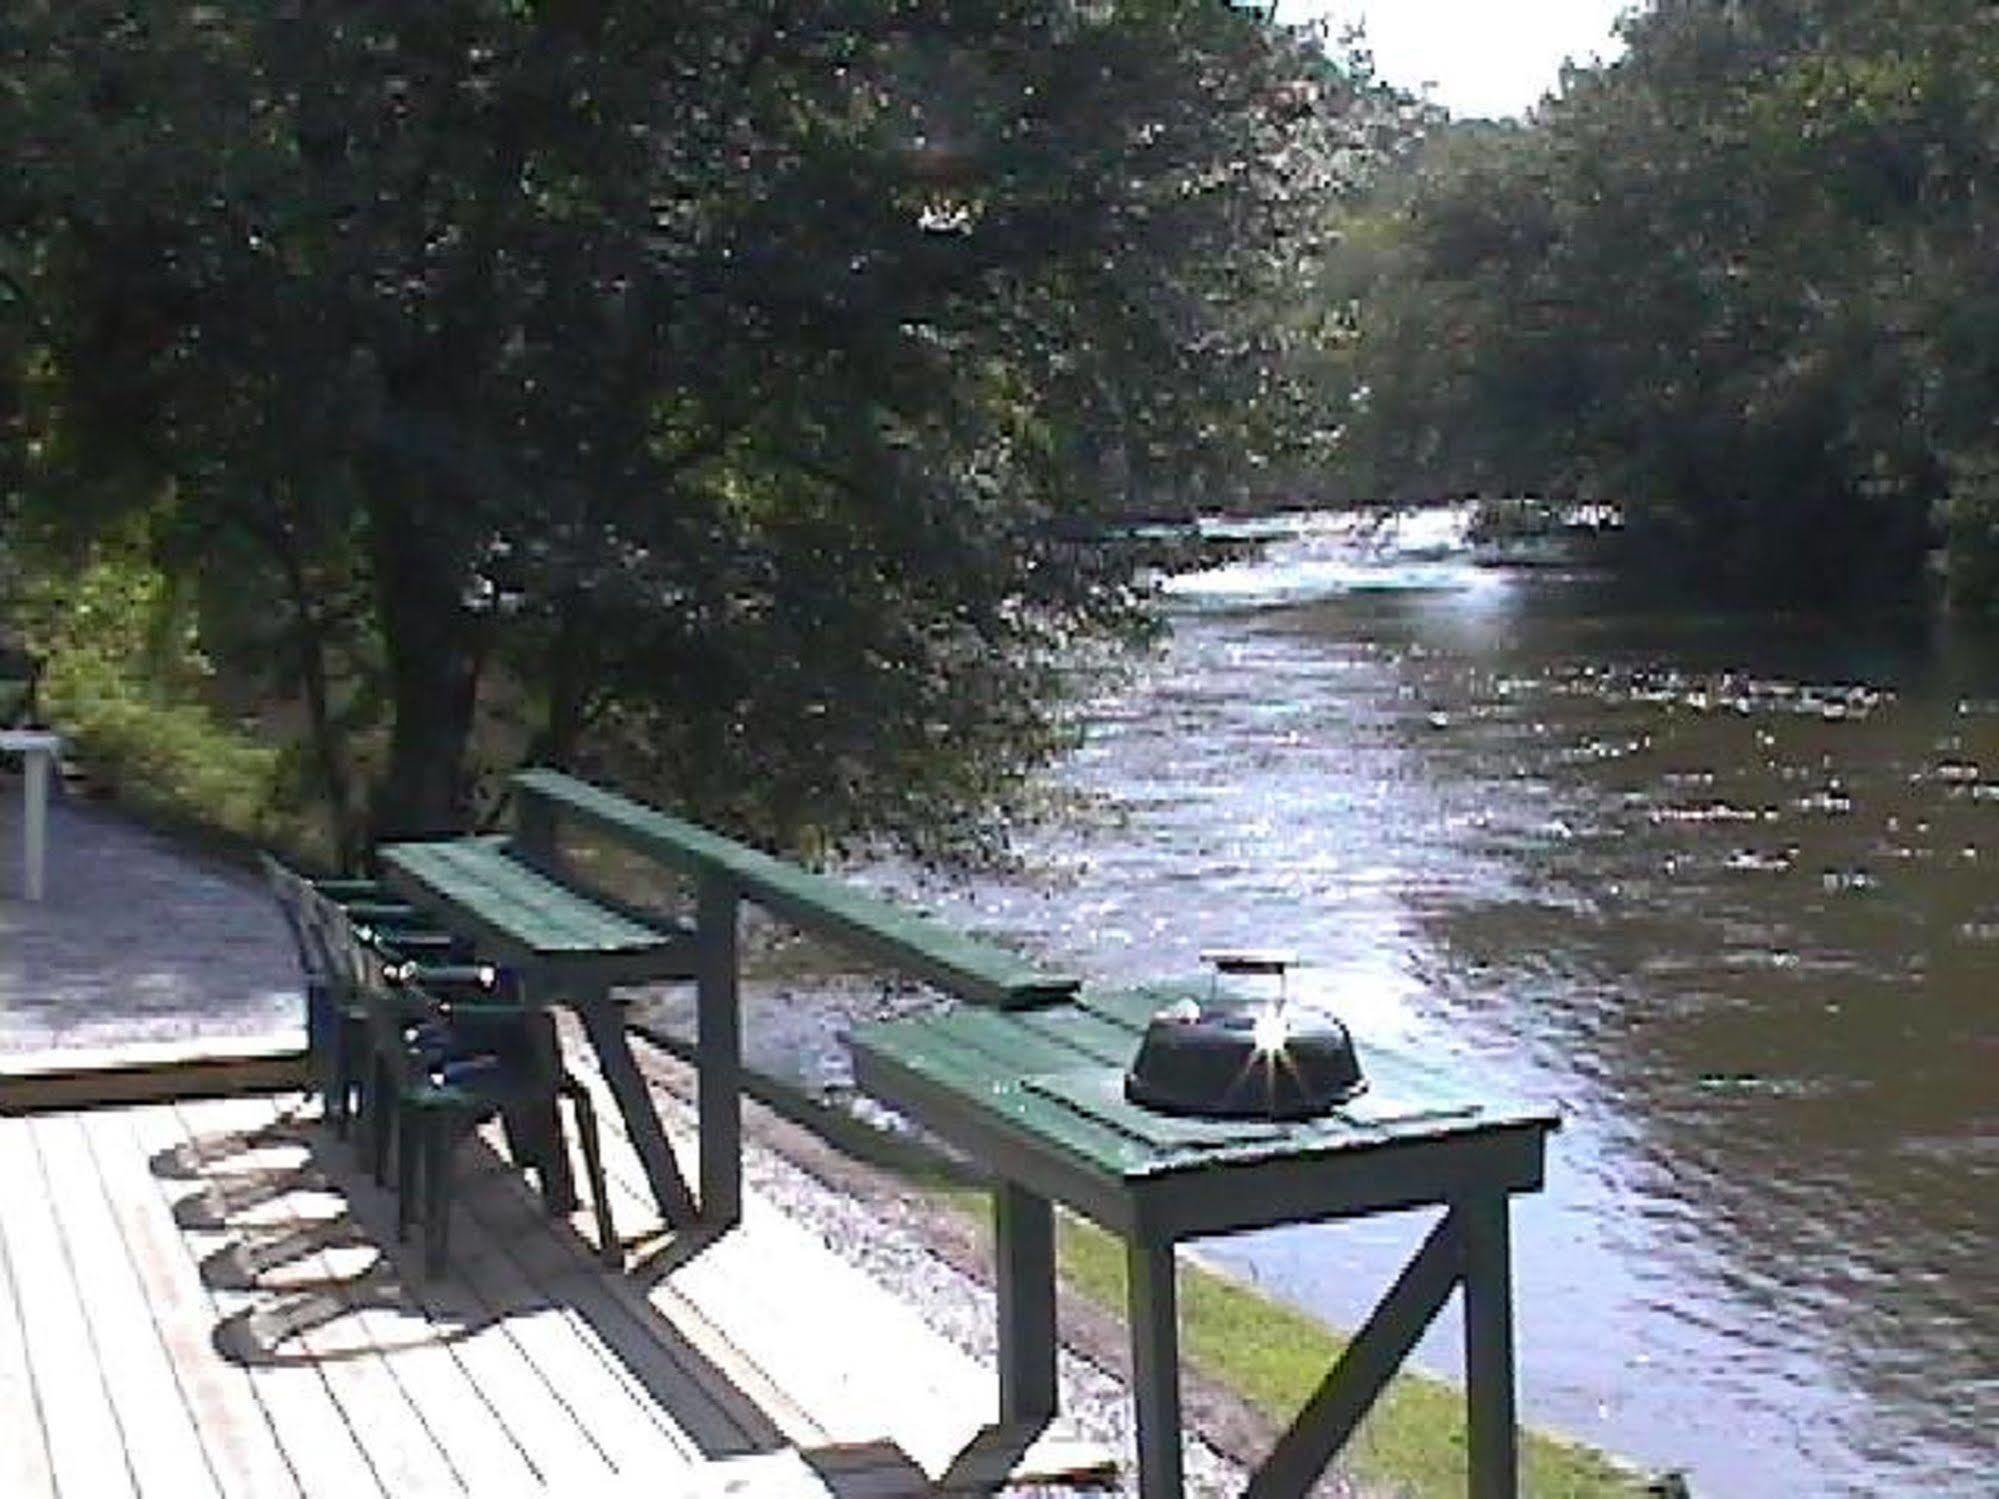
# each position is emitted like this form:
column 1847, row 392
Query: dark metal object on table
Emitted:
column 1241, row 1057
column 1241, row 1062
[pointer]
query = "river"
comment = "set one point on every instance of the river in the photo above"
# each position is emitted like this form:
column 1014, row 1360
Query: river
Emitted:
column 1726, row 889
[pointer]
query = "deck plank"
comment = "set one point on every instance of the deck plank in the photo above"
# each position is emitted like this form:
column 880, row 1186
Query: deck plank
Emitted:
column 537, row 1422
column 636, row 1350
column 339, row 1280
column 235, row 1430
column 311, row 1426
column 162, row 1446
column 865, row 1366
column 419, row 1345
column 632, row 1437
column 24, row 1453
column 85, row 1444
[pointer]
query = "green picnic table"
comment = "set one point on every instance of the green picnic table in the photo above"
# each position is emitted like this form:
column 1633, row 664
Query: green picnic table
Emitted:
column 1036, row 1096
column 522, row 903
column 567, row 949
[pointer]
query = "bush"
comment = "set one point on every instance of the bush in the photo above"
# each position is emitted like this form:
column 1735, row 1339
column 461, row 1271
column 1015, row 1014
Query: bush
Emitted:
column 123, row 676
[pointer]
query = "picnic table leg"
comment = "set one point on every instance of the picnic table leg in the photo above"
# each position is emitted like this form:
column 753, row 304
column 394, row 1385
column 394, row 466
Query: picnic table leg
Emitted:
column 1155, row 1368
column 720, row 1054
column 604, row 1024
column 1488, row 1288
column 534, row 1132
column 1024, row 1232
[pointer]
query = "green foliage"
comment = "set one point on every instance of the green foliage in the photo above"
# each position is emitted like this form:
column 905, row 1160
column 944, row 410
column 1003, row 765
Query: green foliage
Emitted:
column 706, row 394
column 1737, row 282
column 124, row 677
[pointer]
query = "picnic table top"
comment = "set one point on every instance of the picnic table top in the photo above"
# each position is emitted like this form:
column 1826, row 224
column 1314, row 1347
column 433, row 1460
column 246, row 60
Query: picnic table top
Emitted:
column 524, row 916
column 1043, row 1089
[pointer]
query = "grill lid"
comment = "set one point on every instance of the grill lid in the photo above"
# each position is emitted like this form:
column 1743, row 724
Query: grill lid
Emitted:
column 1230, row 1059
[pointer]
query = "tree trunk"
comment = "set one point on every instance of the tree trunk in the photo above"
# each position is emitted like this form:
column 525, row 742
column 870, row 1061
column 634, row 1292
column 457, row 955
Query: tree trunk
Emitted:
column 435, row 647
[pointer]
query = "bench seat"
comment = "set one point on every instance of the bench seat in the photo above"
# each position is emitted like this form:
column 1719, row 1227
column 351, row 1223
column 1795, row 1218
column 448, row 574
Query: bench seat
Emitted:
column 521, row 916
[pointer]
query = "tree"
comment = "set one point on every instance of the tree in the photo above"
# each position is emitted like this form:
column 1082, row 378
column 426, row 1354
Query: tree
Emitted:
column 1737, row 281
column 707, row 392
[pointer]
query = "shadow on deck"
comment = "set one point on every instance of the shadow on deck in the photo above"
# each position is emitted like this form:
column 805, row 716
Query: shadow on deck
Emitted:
column 209, row 1297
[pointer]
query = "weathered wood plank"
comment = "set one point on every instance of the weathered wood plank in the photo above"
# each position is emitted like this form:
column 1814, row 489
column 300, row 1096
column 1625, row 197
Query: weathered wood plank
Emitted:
column 766, row 1413
column 535, row 1419
column 383, row 1316
column 860, row 1368
column 235, row 1431
column 149, row 1072
column 24, row 1450
column 164, row 1450
column 659, row 1381
column 312, row 1428
column 333, row 1276
column 545, row 1289
column 86, row 1446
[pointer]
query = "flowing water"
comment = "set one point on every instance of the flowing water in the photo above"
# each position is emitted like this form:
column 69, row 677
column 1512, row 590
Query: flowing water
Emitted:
column 1725, row 889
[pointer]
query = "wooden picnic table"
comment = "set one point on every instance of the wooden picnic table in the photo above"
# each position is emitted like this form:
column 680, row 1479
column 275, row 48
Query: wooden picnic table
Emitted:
column 567, row 949
column 1036, row 1096
column 520, row 901
column 38, row 749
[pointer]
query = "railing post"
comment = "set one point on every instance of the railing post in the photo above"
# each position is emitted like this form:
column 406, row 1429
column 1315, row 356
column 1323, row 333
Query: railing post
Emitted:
column 720, row 1052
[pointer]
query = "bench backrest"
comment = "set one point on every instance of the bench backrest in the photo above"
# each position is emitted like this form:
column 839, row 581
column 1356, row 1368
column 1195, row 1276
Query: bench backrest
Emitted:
column 821, row 906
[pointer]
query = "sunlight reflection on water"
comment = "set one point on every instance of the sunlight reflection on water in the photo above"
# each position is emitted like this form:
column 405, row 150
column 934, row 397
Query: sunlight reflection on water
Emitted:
column 1714, row 885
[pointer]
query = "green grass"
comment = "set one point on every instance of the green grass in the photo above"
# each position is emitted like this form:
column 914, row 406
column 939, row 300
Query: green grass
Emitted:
column 1412, row 1443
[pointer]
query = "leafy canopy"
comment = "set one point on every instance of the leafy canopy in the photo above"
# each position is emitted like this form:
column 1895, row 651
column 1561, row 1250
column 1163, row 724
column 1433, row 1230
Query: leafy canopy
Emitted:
column 710, row 394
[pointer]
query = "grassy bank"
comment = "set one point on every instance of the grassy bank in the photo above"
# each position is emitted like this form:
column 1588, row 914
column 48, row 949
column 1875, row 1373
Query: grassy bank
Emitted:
column 1412, row 1443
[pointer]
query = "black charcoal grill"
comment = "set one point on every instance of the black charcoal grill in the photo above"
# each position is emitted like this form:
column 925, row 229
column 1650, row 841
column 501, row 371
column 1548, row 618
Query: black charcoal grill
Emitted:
column 1233, row 1056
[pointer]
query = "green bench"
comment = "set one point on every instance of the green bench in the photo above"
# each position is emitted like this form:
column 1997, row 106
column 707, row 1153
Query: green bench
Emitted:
column 522, row 902
column 1036, row 1097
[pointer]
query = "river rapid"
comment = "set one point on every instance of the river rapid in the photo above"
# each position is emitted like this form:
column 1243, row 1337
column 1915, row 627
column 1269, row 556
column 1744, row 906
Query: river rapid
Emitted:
column 1726, row 889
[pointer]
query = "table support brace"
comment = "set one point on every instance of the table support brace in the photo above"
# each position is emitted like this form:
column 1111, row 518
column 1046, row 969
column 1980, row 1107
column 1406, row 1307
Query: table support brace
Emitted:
column 604, row 1024
column 1458, row 1251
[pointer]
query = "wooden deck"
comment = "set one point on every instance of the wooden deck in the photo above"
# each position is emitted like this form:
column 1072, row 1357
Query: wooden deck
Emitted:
column 206, row 1298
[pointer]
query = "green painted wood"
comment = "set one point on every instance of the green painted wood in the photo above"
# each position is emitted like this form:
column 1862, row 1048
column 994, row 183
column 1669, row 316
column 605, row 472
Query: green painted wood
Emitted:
column 902, row 939
column 604, row 1023
column 954, row 1067
column 1099, row 1093
column 477, row 876
column 1012, row 1050
column 719, row 1053
column 980, row 1051
column 1084, row 1031
column 1155, row 1367
column 1492, row 1433
column 1024, row 1254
